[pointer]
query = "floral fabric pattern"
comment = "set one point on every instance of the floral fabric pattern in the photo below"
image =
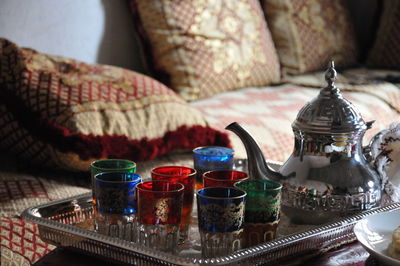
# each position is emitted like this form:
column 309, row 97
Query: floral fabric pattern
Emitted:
column 208, row 47
column 309, row 33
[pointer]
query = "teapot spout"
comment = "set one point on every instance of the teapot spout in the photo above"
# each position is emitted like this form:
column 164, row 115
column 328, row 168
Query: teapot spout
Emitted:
column 257, row 166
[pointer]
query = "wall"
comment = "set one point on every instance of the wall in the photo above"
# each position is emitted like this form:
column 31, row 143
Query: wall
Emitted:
column 94, row 31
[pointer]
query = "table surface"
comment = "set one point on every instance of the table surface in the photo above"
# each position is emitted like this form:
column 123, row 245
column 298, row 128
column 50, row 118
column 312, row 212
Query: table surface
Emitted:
column 350, row 254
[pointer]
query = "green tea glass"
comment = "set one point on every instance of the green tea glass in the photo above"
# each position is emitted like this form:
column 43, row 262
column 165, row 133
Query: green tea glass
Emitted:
column 110, row 165
column 262, row 211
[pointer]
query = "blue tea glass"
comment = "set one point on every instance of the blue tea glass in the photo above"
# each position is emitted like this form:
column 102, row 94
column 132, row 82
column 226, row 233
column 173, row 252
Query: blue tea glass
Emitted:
column 115, row 192
column 209, row 158
column 221, row 220
column 109, row 165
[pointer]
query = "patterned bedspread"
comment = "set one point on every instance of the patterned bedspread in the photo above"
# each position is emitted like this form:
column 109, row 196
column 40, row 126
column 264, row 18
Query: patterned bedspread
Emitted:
column 267, row 113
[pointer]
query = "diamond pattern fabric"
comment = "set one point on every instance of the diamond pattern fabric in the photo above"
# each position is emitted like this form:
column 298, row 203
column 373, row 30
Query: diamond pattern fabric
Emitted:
column 58, row 112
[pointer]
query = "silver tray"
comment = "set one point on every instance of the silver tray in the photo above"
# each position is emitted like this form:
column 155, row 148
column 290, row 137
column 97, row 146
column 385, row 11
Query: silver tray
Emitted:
column 67, row 223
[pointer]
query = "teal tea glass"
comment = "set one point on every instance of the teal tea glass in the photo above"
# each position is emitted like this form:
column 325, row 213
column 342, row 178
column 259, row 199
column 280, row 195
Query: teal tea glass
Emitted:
column 263, row 204
column 116, row 207
column 110, row 165
column 221, row 220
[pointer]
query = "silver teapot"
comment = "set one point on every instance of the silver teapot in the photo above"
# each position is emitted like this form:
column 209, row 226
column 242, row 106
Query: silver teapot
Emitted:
column 328, row 175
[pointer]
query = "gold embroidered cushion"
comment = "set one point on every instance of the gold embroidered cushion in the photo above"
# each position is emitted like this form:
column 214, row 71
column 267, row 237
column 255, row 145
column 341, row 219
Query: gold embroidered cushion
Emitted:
column 63, row 113
column 309, row 33
column 202, row 48
column 386, row 49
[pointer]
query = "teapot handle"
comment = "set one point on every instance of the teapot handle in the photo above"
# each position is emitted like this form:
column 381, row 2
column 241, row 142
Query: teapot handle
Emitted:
column 367, row 150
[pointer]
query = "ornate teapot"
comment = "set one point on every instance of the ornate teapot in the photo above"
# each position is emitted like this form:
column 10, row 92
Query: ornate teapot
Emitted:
column 328, row 174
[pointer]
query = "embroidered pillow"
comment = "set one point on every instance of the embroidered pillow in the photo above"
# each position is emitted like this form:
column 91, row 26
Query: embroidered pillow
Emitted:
column 309, row 33
column 386, row 49
column 202, row 48
column 63, row 113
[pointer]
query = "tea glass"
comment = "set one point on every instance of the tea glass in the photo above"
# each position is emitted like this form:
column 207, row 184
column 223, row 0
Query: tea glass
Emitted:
column 223, row 178
column 221, row 220
column 159, row 214
column 110, row 165
column 263, row 204
column 209, row 158
column 115, row 207
column 186, row 176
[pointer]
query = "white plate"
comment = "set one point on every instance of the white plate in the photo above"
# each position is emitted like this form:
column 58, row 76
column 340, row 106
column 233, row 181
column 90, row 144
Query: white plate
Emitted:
column 375, row 233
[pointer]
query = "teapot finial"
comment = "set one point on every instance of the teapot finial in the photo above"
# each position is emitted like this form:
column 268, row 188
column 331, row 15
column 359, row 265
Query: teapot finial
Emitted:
column 331, row 74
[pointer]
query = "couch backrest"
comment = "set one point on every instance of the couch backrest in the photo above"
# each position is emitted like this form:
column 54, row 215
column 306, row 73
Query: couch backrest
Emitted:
column 102, row 31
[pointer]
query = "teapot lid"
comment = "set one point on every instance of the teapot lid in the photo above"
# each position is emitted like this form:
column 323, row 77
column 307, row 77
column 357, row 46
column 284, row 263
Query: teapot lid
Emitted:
column 329, row 112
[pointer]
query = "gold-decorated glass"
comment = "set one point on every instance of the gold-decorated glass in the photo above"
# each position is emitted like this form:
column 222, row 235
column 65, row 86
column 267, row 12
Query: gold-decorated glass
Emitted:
column 263, row 204
column 221, row 219
column 110, row 165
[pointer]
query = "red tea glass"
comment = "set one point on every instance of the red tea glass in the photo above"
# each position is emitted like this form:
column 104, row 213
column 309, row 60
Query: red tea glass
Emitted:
column 223, row 178
column 187, row 177
column 159, row 213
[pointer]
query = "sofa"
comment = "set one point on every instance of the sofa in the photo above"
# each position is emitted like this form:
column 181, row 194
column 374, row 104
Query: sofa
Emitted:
column 169, row 76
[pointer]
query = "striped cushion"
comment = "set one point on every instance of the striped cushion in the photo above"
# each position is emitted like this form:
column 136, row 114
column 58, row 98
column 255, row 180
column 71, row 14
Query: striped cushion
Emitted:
column 64, row 113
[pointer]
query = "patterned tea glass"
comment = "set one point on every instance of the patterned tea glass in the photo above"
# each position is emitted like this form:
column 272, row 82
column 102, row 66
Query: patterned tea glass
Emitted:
column 159, row 212
column 221, row 220
column 185, row 176
column 209, row 158
column 115, row 213
column 223, row 178
column 110, row 165
column 263, row 204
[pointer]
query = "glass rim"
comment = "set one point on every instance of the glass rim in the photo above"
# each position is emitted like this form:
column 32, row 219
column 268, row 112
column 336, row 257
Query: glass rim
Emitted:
column 231, row 151
column 221, row 198
column 193, row 171
column 92, row 164
column 138, row 177
column 225, row 170
column 279, row 187
column 161, row 191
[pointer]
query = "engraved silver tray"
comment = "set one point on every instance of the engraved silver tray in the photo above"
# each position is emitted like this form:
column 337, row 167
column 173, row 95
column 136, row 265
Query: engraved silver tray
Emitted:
column 67, row 223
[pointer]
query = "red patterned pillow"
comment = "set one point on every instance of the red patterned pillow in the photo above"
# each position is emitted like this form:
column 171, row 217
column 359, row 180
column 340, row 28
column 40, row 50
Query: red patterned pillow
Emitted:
column 63, row 113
